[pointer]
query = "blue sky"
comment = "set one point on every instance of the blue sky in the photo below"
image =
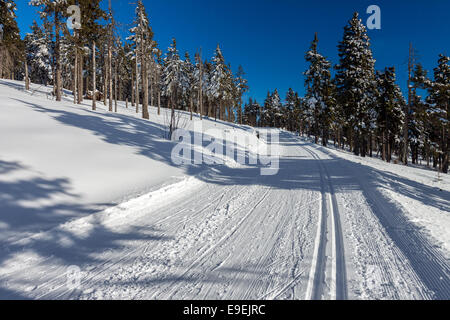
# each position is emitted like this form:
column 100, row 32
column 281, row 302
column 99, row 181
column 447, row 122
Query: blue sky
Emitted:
column 269, row 38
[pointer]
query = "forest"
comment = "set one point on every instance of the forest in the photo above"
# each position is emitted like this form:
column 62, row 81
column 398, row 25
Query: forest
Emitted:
column 347, row 103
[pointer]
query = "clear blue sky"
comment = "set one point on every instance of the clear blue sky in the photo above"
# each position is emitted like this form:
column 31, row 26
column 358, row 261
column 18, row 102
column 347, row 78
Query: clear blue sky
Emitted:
column 269, row 38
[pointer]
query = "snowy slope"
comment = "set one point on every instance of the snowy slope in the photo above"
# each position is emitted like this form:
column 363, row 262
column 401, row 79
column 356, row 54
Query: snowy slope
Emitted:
column 99, row 191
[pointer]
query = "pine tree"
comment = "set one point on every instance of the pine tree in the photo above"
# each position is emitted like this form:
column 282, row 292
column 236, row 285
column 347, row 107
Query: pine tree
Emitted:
column 188, row 81
column 143, row 45
column 38, row 55
column 420, row 124
column 11, row 46
column 88, row 40
column 220, row 85
column 390, row 115
column 171, row 79
column 355, row 80
column 439, row 100
column 291, row 108
column 54, row 10
column 319, row 91
column 242, row 87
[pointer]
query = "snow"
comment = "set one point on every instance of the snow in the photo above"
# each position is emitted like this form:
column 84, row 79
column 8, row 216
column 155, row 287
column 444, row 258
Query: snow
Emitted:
column 97, row 192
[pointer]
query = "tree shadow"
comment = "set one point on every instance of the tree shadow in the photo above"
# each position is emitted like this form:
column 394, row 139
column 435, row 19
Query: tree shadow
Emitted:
column 296, row 173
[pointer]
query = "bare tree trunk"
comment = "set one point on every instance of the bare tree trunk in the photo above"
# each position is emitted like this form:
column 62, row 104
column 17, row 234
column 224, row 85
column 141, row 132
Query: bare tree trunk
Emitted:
column 27, row 79
column 80, row 77
column 75, row 77
column 152, row 97
column 159, row 102
column 200, row 89
column 191, row 102
column 105, row 81
column 110, row 80
column 115, row 87
column 144, row 69
column 94, row 84
column 132, row 88
column 58, row 57
column 137, row 83
column 408, row 106
column 1, row 59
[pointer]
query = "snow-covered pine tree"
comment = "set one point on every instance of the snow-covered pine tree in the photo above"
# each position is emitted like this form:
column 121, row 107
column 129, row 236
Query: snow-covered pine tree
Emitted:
column 420, row 125
column 291, row 108
column 38, row 55
column 54, row 10
column 220, row 85
column 439, row 100
column 11, row 46
column 277, row 109
column 390, row 115
column 143, row 44
column 251, row 110
column 272, row 111
column 319, row 92
column 171, row 81
column 200, row 81
column 242, row 87
column 355, row 80
column 188, row 83
column 88, row 40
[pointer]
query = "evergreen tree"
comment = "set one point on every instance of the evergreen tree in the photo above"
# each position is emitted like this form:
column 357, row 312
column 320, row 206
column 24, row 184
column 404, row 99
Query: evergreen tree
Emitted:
column 290, row 117
column 355, row 80
column 11, row 46
column 242, row 87
column 188, row 83
column 143, row 45
column 220, row 82
column 171, row 79
column 54, row 10
column 390, row 115
column 319, row 92
column 439, row 100
column 38, row 55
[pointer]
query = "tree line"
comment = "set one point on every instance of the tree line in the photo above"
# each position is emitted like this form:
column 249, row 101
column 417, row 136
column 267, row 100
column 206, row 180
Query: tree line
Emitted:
column 349, row 104
column 364, row 110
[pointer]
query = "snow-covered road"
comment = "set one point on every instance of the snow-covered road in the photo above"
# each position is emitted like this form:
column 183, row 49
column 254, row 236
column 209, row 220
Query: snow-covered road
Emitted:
column 320, row 229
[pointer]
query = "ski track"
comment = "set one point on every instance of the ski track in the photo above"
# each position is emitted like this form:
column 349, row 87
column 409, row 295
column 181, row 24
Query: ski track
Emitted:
column 396, row 261
column 338, row 289
column 333, row 237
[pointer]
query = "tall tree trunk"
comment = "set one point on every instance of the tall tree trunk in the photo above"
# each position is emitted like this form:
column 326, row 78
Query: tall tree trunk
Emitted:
column 115, row 87
column 105, row 80
column 200, row 89
column 80, row 77
column 145, row 114
column 27, row 79
column 94, row 84
column 75, row 77
column 110, row 80
column 58, row 57
column 137, row 83
column 191, row 102
column 132, row 87
column 408, row 106
column 159, row 102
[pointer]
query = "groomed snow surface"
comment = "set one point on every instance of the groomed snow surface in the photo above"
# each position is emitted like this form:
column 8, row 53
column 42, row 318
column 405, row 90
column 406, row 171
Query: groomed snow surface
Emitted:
column 98, row 192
